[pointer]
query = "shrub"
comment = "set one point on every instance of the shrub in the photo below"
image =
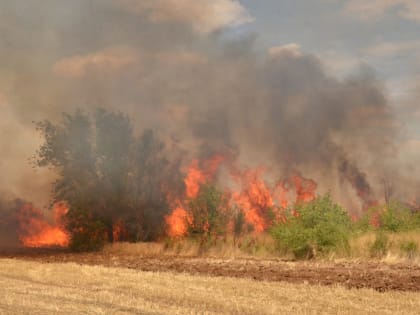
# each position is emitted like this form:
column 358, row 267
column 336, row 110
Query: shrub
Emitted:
column 393, row 217
column 319, row 227
column 396, row 217
column 409, row 248
column 379, row 247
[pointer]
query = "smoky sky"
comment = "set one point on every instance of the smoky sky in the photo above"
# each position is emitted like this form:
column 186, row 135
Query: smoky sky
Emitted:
column 179, row 73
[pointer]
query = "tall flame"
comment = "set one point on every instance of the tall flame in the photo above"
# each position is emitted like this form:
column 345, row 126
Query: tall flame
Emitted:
column 195, row 178
column 197, row 175
column 255, row 200
column 177, row 222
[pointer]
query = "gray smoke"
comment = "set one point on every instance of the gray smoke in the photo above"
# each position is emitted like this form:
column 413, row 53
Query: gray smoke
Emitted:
column 204, row 91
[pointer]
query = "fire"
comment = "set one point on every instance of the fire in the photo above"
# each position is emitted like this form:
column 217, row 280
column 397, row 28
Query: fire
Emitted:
column 262, row 204
column 36, row 231
column 255, row 200
column 305, row 189
column 195, row 178
column 281, row 195
column 177, row 222
column 197, row 175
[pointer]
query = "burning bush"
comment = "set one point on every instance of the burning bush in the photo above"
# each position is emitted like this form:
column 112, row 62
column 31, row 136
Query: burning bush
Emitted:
column 209, row 213
column 315, row 227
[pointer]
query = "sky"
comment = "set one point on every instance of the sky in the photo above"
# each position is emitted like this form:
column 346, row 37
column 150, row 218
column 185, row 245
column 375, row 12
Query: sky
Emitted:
column 384, row 34
column 325, row 87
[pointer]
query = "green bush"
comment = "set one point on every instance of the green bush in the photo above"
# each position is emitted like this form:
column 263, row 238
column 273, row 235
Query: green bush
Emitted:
column 393, row 217
column 379, row 247
column 409, row 248
column 364, row 223
column 396, row 218
column 320, row 227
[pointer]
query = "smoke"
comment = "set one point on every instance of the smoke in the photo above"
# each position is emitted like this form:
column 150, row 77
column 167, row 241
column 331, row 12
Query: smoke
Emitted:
column 171, row 67
column 9, row 224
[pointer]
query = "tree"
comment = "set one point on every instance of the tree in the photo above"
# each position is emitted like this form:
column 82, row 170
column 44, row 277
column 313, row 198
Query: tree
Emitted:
column 106, row 175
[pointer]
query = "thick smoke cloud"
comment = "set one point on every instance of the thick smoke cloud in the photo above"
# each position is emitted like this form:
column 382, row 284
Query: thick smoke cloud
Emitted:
column 169, row 65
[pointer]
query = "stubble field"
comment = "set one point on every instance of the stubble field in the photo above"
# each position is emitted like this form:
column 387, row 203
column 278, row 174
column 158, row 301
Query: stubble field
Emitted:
column 35, row 287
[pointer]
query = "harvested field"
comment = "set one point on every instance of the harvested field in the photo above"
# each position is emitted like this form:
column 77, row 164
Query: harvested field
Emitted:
column 376, row 275
column 37, row 288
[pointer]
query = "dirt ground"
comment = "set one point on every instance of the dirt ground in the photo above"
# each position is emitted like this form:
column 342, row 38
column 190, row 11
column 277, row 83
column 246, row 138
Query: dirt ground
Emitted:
column 375, row 275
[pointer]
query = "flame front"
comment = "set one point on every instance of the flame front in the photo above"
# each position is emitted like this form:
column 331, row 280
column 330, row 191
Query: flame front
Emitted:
column 36, row 231
column 262, row 204
column 197, row 176
column 255, row 200
column 177, row 222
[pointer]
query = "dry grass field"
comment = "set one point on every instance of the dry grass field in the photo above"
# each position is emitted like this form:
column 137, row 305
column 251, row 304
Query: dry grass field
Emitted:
column 36, row 288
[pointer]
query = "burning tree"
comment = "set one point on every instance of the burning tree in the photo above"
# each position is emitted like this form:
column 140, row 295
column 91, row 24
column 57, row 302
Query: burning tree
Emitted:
column 111, row 180
column 209, row 212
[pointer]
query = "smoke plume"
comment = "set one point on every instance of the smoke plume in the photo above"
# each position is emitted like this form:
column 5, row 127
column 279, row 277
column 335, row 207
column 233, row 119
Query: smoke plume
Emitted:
column 173, row 66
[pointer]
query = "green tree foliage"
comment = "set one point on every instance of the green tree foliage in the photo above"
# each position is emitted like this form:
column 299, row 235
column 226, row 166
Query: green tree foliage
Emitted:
column 209, row 213
column 106, row 174
column 318, row 227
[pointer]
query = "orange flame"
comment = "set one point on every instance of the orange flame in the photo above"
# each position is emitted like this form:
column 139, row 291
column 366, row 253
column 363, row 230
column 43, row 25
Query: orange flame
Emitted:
column 261, row 203
column 255, row 200
column 36, row 231
column 177, row 221
column 195, row 178
column 305, row 189
column 281, row 195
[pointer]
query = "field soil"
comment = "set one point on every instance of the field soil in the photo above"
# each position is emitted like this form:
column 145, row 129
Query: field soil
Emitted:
column 28, row 287
column 375, row 275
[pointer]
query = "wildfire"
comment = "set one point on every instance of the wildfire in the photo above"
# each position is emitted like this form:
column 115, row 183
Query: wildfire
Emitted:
column 36, row 231
column 281, row 195
column 305, row 189
column 195, row 178
column 177, row 222
column 262, row 204
column 197, row 175
column 255, row 200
